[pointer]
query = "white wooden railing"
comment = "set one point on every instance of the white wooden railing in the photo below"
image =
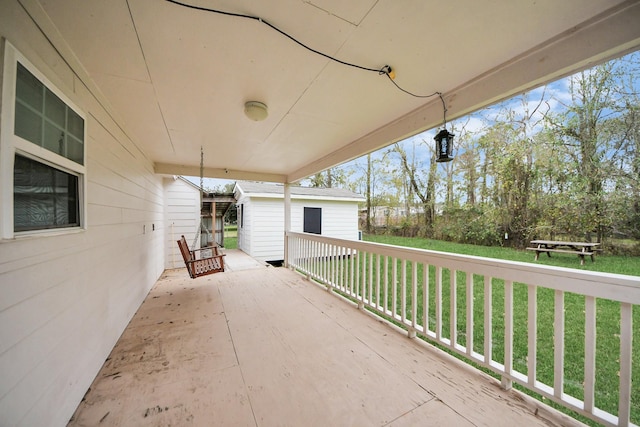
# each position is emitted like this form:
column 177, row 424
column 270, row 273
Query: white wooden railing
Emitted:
column 391, row 282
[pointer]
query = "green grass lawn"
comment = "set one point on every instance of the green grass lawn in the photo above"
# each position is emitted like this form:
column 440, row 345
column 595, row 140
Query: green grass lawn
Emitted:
column 230, row 242
column 231, row 236
column 607, row 318
column 230, row 231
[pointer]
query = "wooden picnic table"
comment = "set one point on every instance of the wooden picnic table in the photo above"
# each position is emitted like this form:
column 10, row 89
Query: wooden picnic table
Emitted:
column 579, row 248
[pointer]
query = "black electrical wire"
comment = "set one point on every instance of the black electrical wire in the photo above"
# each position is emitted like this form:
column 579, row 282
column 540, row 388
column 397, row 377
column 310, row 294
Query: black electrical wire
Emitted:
column 273, row 27
column 444, row 106
column 386, row 70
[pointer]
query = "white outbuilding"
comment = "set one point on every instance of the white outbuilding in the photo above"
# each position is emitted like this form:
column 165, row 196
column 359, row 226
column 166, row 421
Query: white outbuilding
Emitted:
column 330, row 212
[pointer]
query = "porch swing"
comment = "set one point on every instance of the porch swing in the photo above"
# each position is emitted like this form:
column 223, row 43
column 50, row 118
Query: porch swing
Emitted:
column 203, row 260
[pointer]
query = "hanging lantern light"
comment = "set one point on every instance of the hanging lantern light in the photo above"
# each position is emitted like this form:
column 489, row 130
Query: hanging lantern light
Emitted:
column 444, row 146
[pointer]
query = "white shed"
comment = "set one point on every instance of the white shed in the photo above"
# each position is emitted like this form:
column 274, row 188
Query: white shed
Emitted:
column 331, row 212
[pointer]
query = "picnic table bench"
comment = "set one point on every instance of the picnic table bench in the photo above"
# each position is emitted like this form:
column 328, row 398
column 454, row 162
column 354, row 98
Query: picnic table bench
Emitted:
column 581, row 249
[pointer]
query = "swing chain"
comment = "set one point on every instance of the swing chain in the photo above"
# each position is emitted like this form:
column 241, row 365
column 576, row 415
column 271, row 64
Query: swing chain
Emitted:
column 202, row 226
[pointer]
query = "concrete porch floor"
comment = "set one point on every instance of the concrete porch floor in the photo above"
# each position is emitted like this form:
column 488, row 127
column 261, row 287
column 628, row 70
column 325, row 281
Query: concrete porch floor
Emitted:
column 264, row 347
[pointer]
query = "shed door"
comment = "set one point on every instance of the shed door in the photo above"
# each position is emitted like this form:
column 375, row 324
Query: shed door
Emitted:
column 313, row 220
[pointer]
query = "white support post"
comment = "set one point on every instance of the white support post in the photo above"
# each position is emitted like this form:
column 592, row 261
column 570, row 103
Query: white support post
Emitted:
column 287, row 221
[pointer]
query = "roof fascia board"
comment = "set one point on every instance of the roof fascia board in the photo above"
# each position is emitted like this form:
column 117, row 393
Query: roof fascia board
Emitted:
column 186, row 170
column 303, row 197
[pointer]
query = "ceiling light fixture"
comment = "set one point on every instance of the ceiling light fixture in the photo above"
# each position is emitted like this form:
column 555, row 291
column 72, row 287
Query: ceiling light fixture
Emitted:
column 256, row 111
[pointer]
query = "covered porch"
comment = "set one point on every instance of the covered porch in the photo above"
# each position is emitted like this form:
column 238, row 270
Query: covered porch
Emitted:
column 264, row 346
column 151, row 85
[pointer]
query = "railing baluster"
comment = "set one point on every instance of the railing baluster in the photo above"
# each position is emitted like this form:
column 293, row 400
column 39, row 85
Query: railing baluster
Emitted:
column 356, row 282
column 439, row 303
column 304, row 259
column 317, row 263
column 403, row 292
column 309, row 259
column 323, row 263
column 589, row 353
column 453, row 307
column 364, row 278
column 386, row 284
column 378, row 281
column 342, row 256
column 414, row 298
column 626, row 345
column 324, row 259
column 532, row 353
column 370, row 281
column 362, row 265
column 488, row 322
column 329, row 262
column 314, row 262
column 425, row 298
column 558, row 344
column 508, row 334
column 354, row 260
column 335, row 262
column 345, row 269
column 470, row 319
column 394, row 286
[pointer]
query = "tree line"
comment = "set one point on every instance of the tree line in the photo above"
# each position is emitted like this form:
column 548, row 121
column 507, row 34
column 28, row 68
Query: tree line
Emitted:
column 559, row 162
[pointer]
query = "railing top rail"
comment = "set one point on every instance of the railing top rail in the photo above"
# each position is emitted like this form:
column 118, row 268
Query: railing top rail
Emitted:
column 617, row 287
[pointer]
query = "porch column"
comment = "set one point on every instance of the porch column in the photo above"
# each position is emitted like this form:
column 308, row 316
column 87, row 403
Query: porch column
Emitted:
column 287, row 221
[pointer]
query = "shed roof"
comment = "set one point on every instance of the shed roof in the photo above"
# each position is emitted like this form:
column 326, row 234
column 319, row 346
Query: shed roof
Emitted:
column 261, row 189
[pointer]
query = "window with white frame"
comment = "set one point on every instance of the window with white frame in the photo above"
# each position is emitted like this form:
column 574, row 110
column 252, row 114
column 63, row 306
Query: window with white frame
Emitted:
column 42, row 152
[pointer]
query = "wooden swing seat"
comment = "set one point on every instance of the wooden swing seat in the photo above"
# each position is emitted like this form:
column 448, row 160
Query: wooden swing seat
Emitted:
column 196, row 264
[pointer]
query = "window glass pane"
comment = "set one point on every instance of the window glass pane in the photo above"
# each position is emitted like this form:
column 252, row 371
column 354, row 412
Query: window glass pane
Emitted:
column 28, row 125
column 55, row 115
column 54, row 108
column 28, row 88
column 75, row 125
column 75, row 150
column 43, row 197
column 66, row 198
column 53, row 138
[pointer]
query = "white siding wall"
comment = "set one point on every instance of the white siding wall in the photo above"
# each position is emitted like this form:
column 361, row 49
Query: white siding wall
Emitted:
column 244, row 224
column 339, row 219
column 267, row 232
column 182, row 210
column 263, row 237
column 66, row 298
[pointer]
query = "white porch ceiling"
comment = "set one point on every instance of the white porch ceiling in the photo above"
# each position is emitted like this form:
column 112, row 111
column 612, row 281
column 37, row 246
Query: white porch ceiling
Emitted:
column 177, row 78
